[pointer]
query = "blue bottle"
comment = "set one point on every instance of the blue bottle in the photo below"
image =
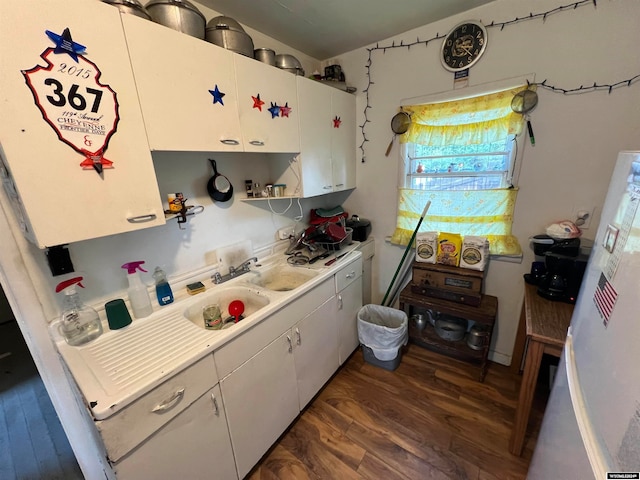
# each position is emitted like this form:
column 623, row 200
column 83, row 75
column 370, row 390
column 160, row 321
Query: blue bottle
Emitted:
column 163, row 289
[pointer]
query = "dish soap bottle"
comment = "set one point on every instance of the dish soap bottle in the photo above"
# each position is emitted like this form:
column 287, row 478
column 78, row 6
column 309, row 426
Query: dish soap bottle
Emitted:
column 79, row 323
column 137, row 291
column 163, row 289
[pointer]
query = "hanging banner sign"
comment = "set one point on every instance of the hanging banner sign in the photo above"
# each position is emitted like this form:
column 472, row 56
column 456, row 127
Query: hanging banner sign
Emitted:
column 82, row 111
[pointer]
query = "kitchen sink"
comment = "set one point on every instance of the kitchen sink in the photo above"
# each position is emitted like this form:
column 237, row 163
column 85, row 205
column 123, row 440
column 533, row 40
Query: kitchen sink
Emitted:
column 252, row 299
column 281, row 278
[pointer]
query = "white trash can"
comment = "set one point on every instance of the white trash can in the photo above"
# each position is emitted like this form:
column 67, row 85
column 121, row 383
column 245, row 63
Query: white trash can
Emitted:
column 382, row 332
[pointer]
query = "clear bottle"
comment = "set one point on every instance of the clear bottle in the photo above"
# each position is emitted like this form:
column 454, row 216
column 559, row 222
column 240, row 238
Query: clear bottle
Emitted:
column 163, row 289
column 137, row 291
column 79, row 323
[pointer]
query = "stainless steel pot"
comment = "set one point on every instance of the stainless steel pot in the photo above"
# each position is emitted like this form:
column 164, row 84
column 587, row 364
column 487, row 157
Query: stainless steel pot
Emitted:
column 265, row 55
column 477, row 338
column 131, row 7
column 228, row 33
column 233, row 40
column 450, row 328
column 180, row 15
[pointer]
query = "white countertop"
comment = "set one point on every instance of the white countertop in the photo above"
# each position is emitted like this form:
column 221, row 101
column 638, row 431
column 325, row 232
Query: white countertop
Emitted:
column 122, row 365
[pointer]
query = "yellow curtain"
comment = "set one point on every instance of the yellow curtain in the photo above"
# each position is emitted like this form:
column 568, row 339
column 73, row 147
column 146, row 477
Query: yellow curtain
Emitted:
column 487, row 213
column 471, row 121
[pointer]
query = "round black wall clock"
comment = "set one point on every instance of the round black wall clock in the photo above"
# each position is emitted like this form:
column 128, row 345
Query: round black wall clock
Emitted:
column 463, row 46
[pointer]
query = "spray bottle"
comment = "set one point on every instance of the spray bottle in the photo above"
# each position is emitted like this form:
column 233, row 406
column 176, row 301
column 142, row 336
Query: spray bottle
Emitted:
column 163, row 289
column 79, row 323
column 137, row 291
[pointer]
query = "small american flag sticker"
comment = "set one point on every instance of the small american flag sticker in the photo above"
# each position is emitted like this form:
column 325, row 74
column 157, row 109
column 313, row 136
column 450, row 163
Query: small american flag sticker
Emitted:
column 605, row 298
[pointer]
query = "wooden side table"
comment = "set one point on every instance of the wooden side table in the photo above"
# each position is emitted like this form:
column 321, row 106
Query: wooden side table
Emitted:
column 484, row 314
column 542, row 329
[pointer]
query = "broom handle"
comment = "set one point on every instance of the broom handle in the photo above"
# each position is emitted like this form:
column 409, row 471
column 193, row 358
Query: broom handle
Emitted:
column 406, row 251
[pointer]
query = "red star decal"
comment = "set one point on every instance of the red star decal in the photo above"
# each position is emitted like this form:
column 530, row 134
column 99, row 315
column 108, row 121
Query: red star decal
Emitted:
column 284, row 111
column 337, row 122
column 257, row 103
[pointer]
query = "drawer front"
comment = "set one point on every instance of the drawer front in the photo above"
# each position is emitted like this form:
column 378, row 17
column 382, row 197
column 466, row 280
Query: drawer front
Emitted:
column 153, row 410
column 236, row 352
column 348, row 274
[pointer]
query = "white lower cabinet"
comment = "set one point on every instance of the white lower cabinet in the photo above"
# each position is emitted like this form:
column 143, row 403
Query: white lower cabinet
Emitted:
column 194, row 445
column 265, row 394
column 349, row 303
column 261, row 401
column 315, row 351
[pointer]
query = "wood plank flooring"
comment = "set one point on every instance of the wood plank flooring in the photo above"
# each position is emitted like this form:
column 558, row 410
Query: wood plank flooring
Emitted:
column 429, row 419
column 33, row 444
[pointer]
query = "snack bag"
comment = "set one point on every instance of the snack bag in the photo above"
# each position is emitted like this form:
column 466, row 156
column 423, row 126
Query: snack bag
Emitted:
column 449, row 247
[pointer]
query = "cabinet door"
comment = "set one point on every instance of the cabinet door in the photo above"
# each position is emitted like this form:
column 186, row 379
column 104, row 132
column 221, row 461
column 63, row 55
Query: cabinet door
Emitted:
column 187, row 89
column 348, row 304
column 64, row 202
column 261, row 400
column 343, row 140
column 271, row 127
column 195, row 444
column 316, row 350
column 315, row 137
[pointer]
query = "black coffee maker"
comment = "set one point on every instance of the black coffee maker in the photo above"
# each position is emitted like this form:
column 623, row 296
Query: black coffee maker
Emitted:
column 563, row 278
column 564, row 267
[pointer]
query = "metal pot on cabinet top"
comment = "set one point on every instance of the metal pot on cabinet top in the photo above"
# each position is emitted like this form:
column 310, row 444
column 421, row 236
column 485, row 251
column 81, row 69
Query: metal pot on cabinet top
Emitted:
column 180, row 15
column 132, row 7
column 227, row 33
column 265, row 55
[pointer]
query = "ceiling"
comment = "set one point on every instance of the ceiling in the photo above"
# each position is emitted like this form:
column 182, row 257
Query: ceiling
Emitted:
column 326, row 28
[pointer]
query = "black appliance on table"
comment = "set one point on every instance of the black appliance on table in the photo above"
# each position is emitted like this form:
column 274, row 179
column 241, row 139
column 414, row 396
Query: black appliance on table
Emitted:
column 564, row 267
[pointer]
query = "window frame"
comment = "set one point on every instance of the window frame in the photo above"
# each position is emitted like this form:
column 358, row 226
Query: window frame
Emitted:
column 468, row 92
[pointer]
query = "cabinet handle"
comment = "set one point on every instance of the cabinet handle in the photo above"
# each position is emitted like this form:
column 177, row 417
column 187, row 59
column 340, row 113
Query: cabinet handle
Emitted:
column 340, row 185
column 328, row 187
column 168, row 404
column 340, row 302
column 257, row 143
column 299, row 339
column 215, row 404
column 142, row 218
column 290, row 344
column 229, row 141
column 351, row 275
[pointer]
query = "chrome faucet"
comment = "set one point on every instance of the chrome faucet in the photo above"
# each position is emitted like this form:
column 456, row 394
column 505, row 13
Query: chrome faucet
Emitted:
column 243, row 267
column 233, row 271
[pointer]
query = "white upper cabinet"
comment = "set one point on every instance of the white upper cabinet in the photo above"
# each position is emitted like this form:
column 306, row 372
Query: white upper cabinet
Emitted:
column 268, row 107
column 187, row 89
column 343, row 140
column 79, row 106
column 327, row 138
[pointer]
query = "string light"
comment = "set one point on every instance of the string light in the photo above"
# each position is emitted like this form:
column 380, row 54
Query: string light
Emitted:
column 493, row 24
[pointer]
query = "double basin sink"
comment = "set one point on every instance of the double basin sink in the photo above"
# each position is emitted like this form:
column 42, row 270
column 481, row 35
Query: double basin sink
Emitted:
column 251, row 289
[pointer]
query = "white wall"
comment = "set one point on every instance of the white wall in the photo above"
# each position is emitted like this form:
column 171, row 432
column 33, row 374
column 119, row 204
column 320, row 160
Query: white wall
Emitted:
column 577, row 136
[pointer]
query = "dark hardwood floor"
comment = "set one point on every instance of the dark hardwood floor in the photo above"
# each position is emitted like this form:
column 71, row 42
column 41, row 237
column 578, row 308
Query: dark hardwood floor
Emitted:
column 428, row 419
column 33, row 444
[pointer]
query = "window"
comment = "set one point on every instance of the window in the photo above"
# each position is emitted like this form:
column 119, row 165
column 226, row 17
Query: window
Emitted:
column 460, row 155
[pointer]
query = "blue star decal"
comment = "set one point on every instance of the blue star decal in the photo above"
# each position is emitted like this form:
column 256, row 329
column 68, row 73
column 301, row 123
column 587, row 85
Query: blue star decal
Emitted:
column 65, row 44
column 275, row 110
column 217, row 95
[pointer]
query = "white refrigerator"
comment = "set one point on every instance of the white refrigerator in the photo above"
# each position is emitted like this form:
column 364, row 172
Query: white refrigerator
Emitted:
column 591, row 426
